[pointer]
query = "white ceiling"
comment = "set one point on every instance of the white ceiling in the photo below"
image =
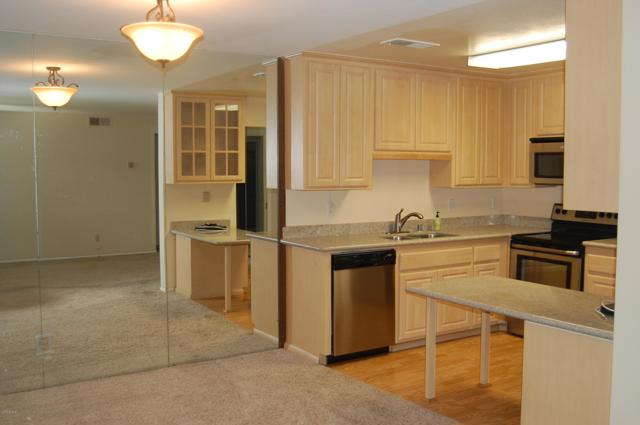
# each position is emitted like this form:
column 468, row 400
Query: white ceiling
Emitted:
column 239, row 34
column 479, row 28
column 267, row 27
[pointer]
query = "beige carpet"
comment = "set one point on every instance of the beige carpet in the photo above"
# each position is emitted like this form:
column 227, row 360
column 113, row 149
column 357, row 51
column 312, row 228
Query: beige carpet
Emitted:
column 106, row 317
column 272, row 387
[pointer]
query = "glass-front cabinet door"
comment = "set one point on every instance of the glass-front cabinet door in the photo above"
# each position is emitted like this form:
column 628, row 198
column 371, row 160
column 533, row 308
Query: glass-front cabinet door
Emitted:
column 228, row 141
column 193, row 151
column 209, row 139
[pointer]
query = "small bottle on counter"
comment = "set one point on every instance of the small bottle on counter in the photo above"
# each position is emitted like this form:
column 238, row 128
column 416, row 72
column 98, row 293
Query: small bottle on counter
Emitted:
column 437, row 222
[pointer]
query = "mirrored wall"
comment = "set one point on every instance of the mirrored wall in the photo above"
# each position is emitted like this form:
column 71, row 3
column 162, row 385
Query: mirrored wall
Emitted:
column 102, row 268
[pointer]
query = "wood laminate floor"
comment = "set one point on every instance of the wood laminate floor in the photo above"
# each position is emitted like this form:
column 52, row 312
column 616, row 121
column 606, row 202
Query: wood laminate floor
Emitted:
column 459, row 394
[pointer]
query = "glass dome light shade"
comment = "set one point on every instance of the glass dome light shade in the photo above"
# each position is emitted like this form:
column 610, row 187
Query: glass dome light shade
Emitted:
column 162, row 41
column 54, row 96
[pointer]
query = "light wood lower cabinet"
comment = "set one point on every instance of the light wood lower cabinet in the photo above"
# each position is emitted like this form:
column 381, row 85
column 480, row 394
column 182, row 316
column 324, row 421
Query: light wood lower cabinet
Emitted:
column 444, row 261
column 600, row 271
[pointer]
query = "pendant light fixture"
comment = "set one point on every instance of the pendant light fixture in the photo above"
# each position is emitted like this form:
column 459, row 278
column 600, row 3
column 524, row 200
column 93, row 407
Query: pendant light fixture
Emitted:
column 53, row 92
column 160, row 38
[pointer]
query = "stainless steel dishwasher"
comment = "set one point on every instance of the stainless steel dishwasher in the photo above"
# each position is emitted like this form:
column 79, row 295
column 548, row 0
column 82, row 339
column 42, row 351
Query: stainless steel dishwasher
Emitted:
column 363, row 303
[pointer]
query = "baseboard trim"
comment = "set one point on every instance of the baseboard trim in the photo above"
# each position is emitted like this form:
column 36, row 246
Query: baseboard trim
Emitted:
column 266, row 335
column 496, row 327
column 302, row 353
column 79, row 257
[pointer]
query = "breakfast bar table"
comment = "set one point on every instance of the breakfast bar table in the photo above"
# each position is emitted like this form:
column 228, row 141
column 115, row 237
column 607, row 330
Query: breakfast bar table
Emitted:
column 204, row 262
column 560, row 326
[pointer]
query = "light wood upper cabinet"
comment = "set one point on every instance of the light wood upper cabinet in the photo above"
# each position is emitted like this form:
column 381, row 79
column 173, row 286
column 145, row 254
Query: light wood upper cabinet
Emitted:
column 395, row 110
column 435, row 112
column 209, row 139
column 323, row 127
column 520, row 114
column 330, row 124
column 491, row 163
column 356, row 126
column 467, row 156
column 548, row 105
column 192, row 139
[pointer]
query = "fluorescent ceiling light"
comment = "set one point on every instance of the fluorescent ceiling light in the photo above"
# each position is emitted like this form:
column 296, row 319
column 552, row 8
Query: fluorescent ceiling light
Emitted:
column 538, row 53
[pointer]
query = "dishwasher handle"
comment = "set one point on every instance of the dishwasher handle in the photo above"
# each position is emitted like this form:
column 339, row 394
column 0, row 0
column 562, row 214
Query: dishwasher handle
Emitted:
column 355, row 260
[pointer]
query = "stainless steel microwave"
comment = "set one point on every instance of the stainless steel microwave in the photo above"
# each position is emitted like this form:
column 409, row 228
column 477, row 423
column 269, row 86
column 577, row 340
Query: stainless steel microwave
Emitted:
column 547, row 160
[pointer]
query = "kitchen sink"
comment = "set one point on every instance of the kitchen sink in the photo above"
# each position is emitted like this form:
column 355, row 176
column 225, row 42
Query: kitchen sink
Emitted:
column 421, row 235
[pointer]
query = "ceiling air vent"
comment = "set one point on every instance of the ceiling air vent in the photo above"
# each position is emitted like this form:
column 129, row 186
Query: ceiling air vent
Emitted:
column 406, row 42
column 97, row 121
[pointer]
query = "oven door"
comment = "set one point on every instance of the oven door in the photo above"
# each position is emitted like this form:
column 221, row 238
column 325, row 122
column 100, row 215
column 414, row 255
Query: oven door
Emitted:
column 552, row 267
column 546, row 266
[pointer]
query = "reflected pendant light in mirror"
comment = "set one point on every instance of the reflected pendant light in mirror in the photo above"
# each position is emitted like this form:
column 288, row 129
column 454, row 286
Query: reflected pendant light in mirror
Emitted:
column 53, row 92
column 162, row 39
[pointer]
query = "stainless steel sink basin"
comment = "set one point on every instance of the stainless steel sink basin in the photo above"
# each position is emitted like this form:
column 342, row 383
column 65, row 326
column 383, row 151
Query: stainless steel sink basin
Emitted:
column 421, row 235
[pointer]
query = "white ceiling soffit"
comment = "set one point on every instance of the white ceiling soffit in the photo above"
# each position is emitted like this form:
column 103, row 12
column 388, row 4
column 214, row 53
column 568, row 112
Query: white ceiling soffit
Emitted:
column 268, row 28
column 479, row 28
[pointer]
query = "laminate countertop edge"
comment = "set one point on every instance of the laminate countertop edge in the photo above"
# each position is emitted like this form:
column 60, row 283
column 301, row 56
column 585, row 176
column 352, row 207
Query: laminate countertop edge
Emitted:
column 377, row 241
column 585, row 314
column 231, row 237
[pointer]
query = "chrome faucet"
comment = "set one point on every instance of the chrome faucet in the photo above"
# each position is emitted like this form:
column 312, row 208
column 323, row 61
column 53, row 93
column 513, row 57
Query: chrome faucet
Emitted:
column 400, row 221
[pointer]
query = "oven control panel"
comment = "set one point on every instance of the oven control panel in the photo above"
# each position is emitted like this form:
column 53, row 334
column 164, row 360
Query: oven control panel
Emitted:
column 596, row 217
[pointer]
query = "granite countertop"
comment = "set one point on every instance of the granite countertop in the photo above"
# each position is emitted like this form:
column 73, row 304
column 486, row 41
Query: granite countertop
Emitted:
column 265, row 236
column 230, row 237
column 602, row 243
column 547, row 305
column 376, row 240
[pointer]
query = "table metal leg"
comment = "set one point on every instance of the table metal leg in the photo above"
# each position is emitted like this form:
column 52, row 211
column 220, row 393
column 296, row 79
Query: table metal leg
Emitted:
column 485, row 347
column 227, row 279
column 430, row 345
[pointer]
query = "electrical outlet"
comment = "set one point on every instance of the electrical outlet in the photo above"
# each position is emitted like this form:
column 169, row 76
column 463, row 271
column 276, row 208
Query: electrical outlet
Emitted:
column 451, row 204
column 493, row 203
column 43, row 344
column 206, row 196
column 97, row 237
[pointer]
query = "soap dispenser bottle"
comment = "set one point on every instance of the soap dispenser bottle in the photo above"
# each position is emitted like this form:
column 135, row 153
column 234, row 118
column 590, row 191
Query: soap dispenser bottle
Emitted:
column 437, row 222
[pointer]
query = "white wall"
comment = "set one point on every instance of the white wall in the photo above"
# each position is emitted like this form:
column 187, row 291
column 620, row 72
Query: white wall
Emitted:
column 90, row 201
column 405, row 184
column 17, row 194
column 625, row 409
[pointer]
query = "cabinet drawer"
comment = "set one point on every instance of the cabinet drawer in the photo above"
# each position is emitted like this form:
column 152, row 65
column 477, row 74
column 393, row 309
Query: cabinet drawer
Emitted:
column 440, row 258
column 601, row 264
column 484, row 253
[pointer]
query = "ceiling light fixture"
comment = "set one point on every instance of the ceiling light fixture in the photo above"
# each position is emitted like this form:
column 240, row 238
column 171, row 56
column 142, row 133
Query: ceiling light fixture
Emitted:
column 162, row 40
column 529, row 55
column 53, row 92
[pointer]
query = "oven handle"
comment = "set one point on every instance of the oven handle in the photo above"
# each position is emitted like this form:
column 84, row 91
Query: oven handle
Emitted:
column 546, row 250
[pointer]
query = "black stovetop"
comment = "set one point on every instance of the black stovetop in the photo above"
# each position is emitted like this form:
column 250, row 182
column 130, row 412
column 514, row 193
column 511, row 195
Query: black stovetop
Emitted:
column 569, row 233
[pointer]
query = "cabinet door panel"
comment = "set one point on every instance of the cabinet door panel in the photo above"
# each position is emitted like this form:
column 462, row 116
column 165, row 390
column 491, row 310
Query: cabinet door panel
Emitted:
column 548, row 103
column 435, row 113
column 323, row 126
column 491, row 141
column 450, row 317
column 192, row 150
column 356, row 124
column 395, row 110
column 603, row 286
column 468, row 137
column 520, row 132
column 411, row 308
column 490, row 269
